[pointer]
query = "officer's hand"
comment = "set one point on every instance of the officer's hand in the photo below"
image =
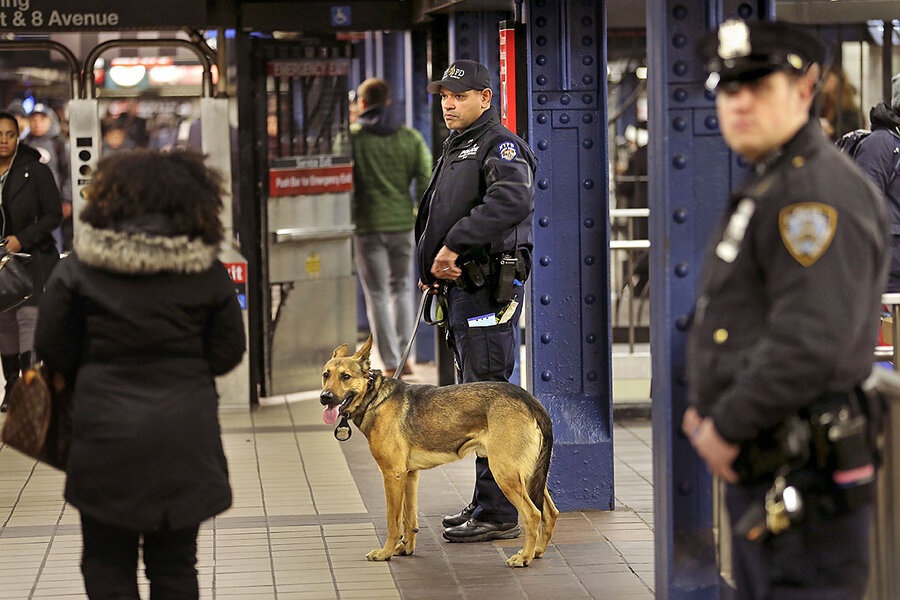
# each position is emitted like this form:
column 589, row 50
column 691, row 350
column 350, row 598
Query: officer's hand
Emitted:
column 714, row 450
column 690, row 422
column 433, row 288
column 444, row 265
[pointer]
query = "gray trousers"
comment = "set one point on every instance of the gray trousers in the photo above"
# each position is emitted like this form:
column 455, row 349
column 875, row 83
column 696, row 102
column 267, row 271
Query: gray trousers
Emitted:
column 17, row 330
column 384, row 265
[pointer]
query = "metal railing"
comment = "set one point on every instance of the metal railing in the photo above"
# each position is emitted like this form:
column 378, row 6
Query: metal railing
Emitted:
column 630, row 246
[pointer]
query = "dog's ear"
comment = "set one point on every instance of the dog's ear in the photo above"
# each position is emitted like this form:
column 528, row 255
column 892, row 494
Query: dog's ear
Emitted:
column 341, row 351
column 362, row 355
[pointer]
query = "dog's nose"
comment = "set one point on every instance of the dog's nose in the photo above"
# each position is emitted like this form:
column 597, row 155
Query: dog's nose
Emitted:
column 326, row 397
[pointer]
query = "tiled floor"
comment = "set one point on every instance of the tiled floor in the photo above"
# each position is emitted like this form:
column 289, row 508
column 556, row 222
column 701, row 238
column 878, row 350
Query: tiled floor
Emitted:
column 308, row 508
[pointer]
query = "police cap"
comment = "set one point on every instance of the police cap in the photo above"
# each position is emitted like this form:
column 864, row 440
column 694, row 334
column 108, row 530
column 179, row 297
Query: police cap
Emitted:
column 742, row 51
column 462, row 76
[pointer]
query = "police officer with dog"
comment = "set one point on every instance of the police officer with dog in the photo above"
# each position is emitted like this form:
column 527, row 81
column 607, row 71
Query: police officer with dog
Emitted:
column 784, row 327
column 474, row 243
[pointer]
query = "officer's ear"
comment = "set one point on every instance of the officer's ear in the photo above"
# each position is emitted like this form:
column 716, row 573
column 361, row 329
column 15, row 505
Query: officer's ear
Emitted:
column 486, row 95
column 808, row 82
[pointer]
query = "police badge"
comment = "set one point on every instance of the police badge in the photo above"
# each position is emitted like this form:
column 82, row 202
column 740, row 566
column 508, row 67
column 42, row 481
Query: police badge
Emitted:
column 807, row 229
column 734, row 40
column 507, row 151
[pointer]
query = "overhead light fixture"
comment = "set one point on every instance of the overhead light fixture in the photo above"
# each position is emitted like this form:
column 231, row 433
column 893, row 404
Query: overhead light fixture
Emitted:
column 641, row 72
column 127, row 75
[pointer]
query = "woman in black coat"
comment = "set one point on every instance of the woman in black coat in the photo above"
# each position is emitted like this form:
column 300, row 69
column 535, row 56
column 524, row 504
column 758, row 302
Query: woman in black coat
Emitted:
column 141, row 318
column 29, row 212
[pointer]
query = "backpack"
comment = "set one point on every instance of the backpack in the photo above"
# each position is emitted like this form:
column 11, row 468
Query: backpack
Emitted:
column 850, row 141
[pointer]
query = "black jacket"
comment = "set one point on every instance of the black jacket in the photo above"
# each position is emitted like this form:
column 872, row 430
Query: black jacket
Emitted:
column 480, row 199
column 31, row 210
column 795, row 314
column 879, row 156
column 143, row 323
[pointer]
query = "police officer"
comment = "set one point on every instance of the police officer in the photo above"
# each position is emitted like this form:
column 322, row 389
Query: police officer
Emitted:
column 474, row 242
column 785, row 320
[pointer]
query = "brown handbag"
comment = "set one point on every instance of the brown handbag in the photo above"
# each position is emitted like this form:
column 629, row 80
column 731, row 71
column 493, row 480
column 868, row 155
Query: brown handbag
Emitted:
column 38, row 423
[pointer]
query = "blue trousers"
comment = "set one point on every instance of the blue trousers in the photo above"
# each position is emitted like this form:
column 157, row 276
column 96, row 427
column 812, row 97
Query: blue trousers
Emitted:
column 824, row 557
column 484, row 354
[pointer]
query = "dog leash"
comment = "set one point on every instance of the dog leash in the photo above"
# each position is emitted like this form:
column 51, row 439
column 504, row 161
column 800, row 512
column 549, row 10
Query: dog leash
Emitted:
column 412, row 338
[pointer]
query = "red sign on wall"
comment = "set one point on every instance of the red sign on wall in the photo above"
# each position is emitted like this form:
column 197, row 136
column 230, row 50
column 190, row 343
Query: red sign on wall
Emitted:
column 310, row 175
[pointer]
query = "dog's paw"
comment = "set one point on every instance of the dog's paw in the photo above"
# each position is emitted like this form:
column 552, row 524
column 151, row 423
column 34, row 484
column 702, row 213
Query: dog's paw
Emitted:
column 403, row 549
column 517, row 560
column 378, row 555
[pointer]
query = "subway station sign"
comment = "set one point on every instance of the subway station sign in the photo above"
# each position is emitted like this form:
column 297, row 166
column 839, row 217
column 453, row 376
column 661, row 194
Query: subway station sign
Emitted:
column 98, row 15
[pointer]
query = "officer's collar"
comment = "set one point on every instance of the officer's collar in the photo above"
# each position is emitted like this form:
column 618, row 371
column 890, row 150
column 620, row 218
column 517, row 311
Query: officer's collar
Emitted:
column 799, row 145
column 486, row 119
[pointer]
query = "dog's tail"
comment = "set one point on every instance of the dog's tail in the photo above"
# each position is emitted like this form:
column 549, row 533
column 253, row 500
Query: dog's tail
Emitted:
column 538, row 480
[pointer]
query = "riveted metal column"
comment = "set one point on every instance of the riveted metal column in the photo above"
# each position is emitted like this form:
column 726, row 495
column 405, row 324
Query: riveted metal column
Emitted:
column 691, row 172
column 569, row 332
column 473, row 36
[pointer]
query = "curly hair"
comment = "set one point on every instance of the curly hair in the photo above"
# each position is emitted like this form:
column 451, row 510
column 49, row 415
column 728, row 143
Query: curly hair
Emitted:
column 177, row 184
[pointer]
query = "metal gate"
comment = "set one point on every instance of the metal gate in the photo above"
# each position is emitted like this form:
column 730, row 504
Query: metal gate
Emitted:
column 303, row 197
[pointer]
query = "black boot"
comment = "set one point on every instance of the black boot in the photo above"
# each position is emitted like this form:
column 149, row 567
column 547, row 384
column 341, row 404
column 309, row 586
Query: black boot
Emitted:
column 11, row 367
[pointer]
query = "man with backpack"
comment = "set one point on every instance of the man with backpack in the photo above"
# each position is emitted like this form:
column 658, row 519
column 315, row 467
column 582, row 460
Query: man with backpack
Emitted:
column 878, row 154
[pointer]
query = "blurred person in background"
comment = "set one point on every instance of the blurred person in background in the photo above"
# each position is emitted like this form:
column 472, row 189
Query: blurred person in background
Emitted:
column 47, row 138
column 878, row 154
column 115, row 139
column 839, row 110
column 387, row 159
column 29, row 212
column 141, row 318
column 15, row 108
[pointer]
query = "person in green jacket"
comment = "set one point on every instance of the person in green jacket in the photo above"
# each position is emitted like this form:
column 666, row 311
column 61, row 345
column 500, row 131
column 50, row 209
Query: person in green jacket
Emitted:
column 387, row 158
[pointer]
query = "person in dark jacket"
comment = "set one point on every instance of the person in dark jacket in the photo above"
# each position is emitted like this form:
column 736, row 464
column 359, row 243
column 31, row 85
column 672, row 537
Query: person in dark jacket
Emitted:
column 47, row 137
column 141, row 318
column 784, row 326
column 29, row 212
column 879, row 156
column 474, row 243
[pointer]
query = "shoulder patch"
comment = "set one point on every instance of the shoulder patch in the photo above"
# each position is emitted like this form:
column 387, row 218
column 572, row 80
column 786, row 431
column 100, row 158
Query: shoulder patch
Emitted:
column 507, row 151
column 807, row 229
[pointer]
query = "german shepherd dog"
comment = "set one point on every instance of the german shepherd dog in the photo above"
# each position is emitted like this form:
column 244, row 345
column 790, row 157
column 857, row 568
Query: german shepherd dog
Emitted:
column 413, row 427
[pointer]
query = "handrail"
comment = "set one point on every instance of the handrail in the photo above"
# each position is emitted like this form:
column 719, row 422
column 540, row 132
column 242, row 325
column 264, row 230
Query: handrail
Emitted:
column 629, row 212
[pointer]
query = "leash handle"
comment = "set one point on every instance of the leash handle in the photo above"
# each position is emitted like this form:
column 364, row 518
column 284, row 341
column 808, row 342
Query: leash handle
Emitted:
column 412, row 338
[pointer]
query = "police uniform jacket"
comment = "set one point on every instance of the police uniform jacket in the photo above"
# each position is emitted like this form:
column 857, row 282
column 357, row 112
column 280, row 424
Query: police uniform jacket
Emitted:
column 789, row 294
column 31, row 210
column 142, row 323
column 480, row 198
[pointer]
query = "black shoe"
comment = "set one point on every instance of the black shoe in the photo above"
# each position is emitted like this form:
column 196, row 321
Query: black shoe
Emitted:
column 460, row 517
column 481, row 531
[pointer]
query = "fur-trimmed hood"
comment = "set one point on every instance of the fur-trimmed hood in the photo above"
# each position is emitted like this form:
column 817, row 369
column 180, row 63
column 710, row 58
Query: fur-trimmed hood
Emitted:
column 134, row 251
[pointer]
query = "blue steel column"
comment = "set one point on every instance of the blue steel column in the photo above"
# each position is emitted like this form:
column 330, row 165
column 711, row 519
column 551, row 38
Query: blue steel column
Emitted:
column 569, row 337
column 691, row 173
column 474, row 36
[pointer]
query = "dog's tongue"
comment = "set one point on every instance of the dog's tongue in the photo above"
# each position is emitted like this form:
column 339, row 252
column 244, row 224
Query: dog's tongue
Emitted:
column 330, row 414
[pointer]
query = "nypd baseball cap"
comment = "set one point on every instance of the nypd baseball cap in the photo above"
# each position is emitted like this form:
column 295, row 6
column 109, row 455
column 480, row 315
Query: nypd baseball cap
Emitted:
column 462, row 76
column 743, row 51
